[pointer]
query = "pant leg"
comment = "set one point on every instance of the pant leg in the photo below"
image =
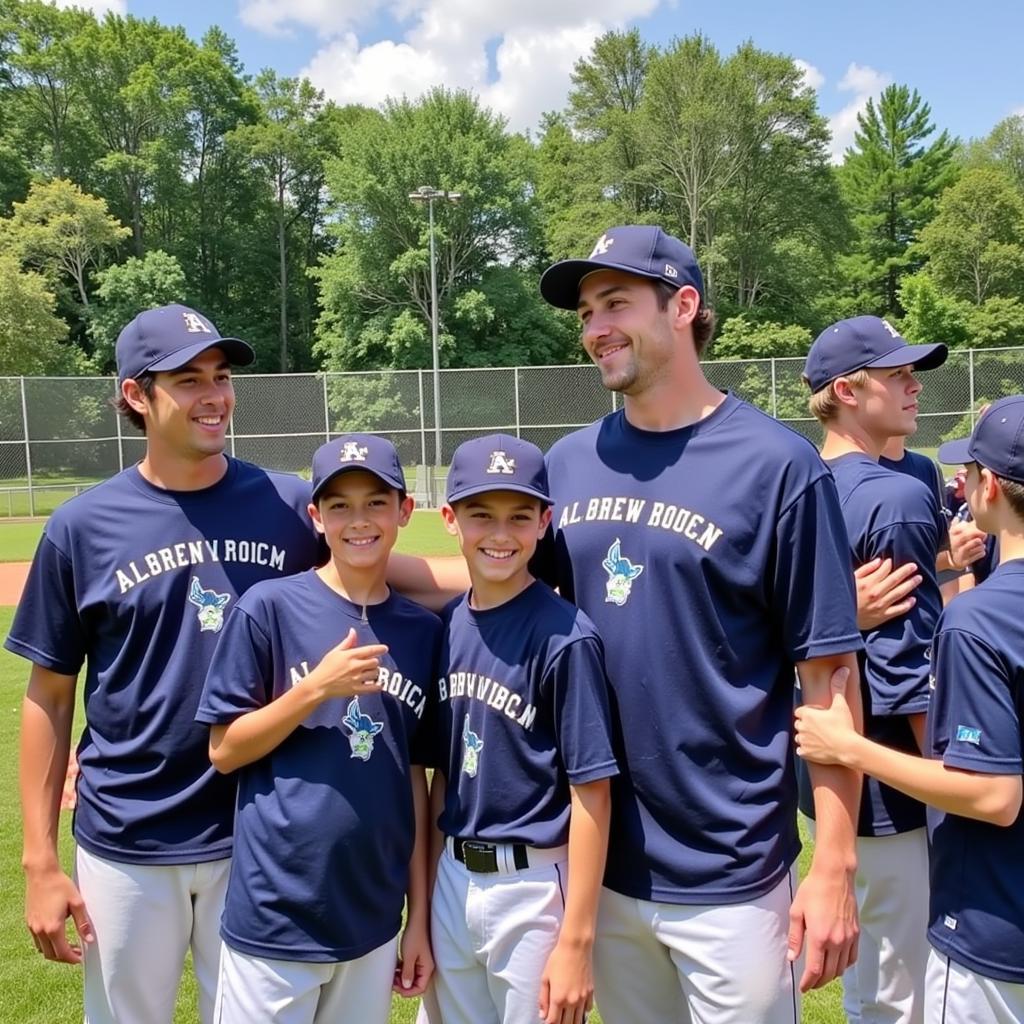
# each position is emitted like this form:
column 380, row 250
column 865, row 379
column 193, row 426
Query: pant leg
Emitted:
column 634, row 977
column 892, row 889
column 258, row 990
column 956, row 995
column 209, row 884
column 142, row 919
column 359, row 991
column 732, row 960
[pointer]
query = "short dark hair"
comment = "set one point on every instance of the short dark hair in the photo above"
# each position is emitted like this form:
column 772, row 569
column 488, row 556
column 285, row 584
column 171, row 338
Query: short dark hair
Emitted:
column 1014, row 494
column 703, row 322
column 146, row 382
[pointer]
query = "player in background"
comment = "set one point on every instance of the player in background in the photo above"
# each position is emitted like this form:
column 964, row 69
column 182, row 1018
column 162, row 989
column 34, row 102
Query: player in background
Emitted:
column 705, row 541
column 861, row 375
column 315, row 696
column 524, row 754
column 972, row 776
column 135, row 578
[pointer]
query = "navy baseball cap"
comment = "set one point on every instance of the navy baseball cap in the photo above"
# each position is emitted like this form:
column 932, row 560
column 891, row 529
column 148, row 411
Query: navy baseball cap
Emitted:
column 376, row 455
column 167, row 337
column 634, row 248
column 497, row 462
column 997, row 441
column 864, row 342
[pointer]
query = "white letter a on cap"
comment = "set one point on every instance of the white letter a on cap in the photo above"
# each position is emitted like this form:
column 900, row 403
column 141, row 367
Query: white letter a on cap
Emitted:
column 604, row 243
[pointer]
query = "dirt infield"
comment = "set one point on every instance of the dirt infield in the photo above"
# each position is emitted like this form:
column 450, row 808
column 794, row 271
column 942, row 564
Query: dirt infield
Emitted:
column 12, row 581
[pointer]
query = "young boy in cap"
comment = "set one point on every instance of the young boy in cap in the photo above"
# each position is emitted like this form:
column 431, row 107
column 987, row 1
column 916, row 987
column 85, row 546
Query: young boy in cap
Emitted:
column 135, row 579
column 524, row 755
column 332, row 831
column 864, row 391
column 972, row 776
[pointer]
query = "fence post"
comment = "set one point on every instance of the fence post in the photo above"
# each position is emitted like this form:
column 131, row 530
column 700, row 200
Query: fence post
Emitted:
column 120, row 436
column 775, row 397
column 327, row 413
column 28, row 451
column 515, row 379
column 423, row 422
column 970, row 372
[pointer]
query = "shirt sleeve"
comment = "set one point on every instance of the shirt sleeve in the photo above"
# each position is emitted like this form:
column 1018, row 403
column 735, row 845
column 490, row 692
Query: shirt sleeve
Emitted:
column 47, row 627
column 898, row 652
column 974, row 722
column 241, row 674
column 812, row 588
column 579, row 687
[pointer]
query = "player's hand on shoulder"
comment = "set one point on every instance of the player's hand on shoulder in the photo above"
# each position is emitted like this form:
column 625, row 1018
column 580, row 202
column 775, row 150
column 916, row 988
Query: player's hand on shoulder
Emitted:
column 966, row 543
column 884, row 593
column 415, row 962
column 50, row 899
column 347, row 670
column 567, row 985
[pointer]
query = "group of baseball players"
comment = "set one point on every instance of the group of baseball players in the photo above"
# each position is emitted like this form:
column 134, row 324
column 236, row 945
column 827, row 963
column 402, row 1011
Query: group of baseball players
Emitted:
column 328, row 792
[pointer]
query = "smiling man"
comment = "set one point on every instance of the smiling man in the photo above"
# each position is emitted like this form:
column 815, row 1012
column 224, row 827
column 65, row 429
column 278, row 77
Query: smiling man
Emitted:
column 864, row 391
column 134, row 578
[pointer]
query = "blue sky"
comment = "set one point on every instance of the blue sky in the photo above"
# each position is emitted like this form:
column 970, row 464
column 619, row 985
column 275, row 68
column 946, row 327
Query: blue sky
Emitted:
column 966, row 60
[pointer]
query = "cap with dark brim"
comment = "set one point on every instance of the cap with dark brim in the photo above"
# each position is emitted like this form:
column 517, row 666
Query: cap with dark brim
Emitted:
column 395, row 485
column 470, row 492
column 238, row 352
column 956, row 453
column 921, row 357
column 560, row 283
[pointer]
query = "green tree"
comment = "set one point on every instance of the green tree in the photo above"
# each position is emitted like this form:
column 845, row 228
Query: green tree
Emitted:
column 1002, row 148
column 975, row 243
column 60, row 230
column 125, row 290
column 932, row 314
column 375, row 288
column 285, row 144
column 742, row 338
column 30, row 333
column 891, row 180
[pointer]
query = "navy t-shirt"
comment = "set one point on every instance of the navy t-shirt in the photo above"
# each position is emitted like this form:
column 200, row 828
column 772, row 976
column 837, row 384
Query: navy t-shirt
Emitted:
column 137, row 583
column 711, row 559
column 521, row 713
column 890, row 515
column 325, row 828
column 975, row 723
column 924, row 469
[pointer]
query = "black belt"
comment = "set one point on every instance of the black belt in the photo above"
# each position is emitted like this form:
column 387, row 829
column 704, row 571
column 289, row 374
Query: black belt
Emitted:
column 483, row 857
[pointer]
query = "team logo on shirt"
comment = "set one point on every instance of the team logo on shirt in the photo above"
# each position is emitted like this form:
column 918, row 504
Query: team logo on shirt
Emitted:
column 501, row 463
column 968, row 734
column 353, row 451
column 471, row 746
column 362, row 728
column 210, row 604
column 621, row 573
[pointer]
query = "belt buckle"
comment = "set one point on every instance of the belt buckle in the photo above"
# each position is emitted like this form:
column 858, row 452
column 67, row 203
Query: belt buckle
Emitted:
column 480, row 857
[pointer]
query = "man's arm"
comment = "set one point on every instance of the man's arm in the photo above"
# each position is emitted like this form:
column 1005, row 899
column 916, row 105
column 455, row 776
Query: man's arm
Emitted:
column 50, row 895
column 824, row 910
column 828, row 736
column 415, row 960
column 432, row 582
column 567, row 984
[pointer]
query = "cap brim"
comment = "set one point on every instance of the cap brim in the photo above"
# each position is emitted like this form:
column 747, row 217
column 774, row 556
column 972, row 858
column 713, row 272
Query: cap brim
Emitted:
column 921, row 357
column 394, row 484
column 469, row 492
column 956, row 453
column 238, row 352
column 560, row 283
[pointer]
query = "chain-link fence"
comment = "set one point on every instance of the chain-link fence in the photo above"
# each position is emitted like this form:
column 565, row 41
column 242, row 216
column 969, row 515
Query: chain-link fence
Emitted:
column 59, row 435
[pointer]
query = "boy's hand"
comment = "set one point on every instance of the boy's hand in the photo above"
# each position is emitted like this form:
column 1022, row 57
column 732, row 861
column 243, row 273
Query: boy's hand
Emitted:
column 567, row 985
column 50, row 899
column 966, row 543
column 347, row 670
column 415, row 962
column 824, row 735
column 883, row 593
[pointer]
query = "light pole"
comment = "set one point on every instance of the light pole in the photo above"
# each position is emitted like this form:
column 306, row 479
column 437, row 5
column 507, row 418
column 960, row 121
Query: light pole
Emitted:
column 427, row 194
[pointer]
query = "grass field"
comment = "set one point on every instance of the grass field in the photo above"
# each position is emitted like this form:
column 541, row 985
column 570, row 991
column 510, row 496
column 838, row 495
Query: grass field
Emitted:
column 33, row 991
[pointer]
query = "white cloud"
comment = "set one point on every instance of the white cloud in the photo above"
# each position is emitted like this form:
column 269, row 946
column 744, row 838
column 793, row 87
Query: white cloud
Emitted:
column 813, row 78
column 326, row 17
column 535, row 42
column 1019, row 112
column 98, row 7
column 865, row 83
